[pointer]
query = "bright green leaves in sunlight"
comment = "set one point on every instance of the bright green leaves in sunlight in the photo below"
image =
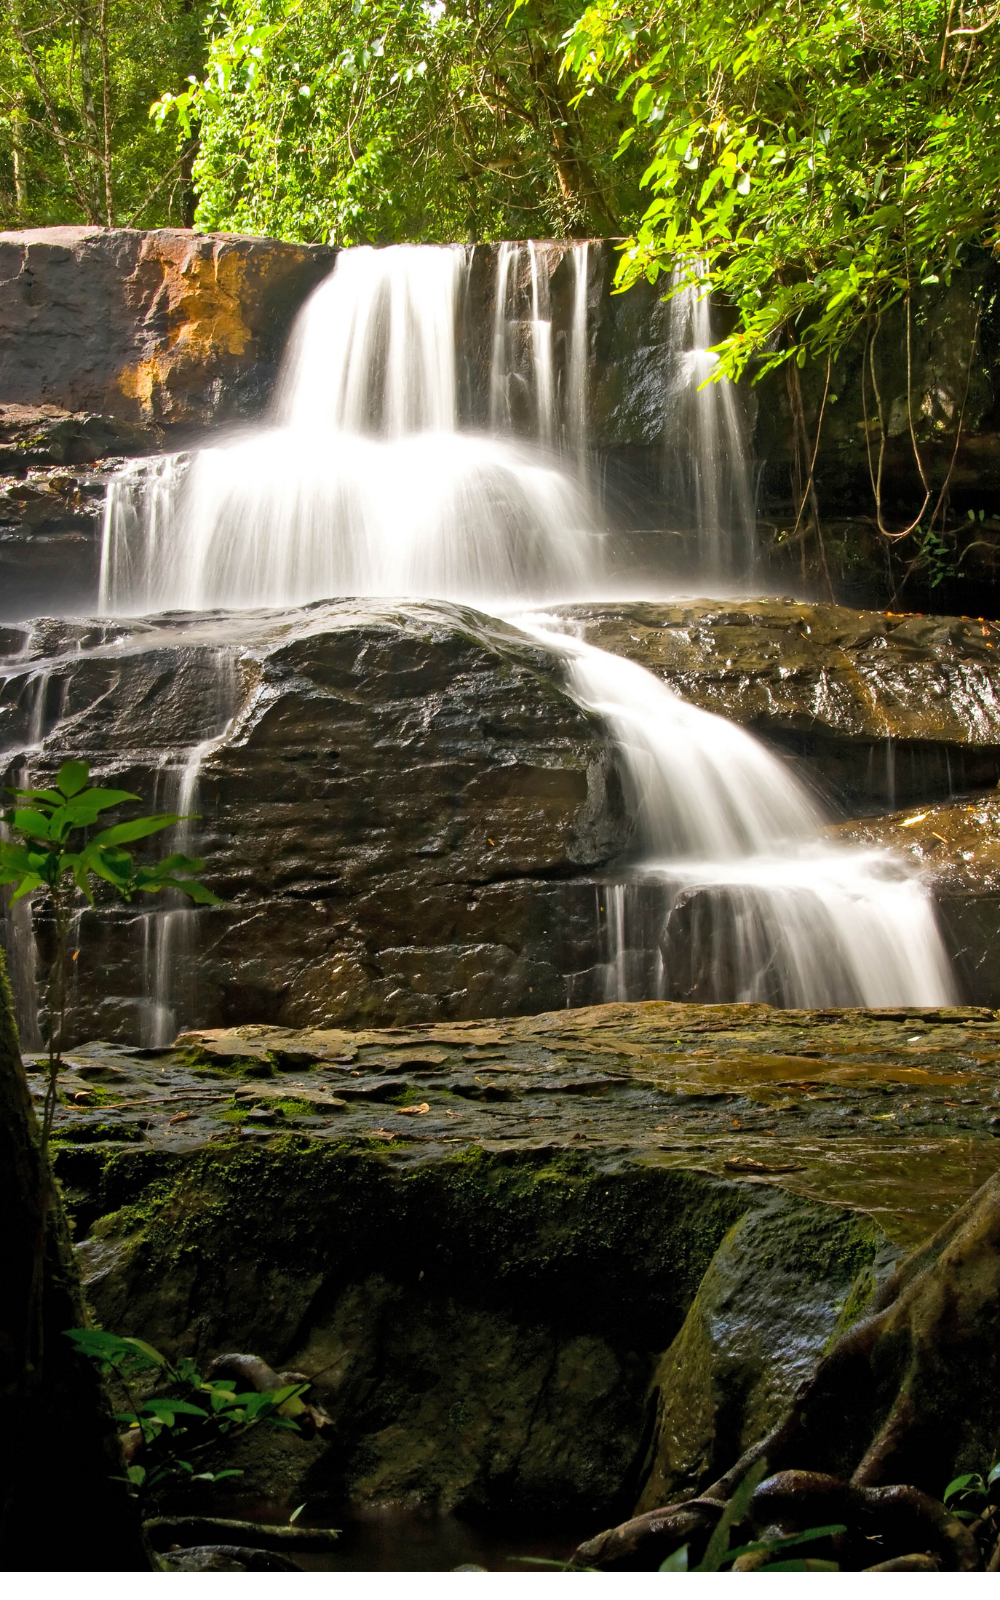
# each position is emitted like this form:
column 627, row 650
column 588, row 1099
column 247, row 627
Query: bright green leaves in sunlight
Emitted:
column 819, row 160
column 374, row 121
column 45, row 849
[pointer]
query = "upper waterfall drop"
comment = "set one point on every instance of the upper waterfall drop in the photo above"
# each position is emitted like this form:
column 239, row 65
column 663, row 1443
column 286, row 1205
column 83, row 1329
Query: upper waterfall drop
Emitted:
column 364, row 482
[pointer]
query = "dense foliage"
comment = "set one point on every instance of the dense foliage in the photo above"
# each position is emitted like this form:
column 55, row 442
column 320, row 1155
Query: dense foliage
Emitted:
column 382, row 120
column 820, row 159
column 76, row 81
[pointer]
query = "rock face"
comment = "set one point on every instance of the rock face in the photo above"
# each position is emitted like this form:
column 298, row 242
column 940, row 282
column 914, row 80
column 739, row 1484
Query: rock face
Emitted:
column 401, row 805
column 501, row 1246
column 408, row 816
column 166, row 330
column 50, row 538
column 873, row 707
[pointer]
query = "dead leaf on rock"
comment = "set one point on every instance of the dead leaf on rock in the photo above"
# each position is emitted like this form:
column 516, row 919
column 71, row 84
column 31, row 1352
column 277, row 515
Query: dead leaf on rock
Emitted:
column 748, row 1164
column 412, row 1111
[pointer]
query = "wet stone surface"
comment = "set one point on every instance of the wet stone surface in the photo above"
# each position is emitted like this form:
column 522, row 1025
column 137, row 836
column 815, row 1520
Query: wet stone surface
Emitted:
column 893, row 1113
column 874, row 707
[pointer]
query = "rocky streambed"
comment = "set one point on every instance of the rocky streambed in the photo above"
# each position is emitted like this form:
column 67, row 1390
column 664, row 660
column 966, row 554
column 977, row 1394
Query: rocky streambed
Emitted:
column 548, row 1267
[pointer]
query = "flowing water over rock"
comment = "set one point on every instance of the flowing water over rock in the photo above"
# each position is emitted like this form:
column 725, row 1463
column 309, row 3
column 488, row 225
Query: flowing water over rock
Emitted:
column 738, row 900
column 368, row 481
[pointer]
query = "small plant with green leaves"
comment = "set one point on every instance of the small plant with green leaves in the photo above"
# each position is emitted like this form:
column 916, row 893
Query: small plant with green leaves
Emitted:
column 193, row 1415
column 51, row 852
column 971, row 1496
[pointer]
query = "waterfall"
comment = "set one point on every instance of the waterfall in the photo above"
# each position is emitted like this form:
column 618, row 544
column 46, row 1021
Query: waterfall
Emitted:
column 707, row 475
column 733, row 896
column 530, row 392
column 363, row 483
column 578, row 366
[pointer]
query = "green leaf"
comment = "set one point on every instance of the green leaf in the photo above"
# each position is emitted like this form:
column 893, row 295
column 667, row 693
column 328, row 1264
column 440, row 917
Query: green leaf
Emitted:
column 50, row 797
column 168, row 1409
column 136, row 1475
column 32, row 823
column 736, row 1509
column 787, row 1541
column 678, row 1562
column 968, row 1482
column 805, row 1565
column 138, row 828
column 72, row 777
column 111, row 1348
column 103, row 799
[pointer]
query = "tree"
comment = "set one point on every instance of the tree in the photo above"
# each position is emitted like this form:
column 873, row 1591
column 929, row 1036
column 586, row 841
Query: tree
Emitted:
column 812, row 163
column 52, row 854
column 76, row 82
column 385, row 120
column 64, row 1504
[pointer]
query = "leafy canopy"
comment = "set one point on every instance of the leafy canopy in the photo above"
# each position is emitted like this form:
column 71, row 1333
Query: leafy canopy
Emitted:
column 821, row 159
column 375, row 121
column 76, row 81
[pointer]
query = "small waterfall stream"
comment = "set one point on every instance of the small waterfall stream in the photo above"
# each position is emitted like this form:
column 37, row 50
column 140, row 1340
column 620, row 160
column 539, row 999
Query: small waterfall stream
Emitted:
column 707, row 466
column 733, row 896
column 364, row 482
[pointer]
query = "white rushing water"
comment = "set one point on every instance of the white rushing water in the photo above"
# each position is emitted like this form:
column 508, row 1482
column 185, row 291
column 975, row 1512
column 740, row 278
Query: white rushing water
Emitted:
column 707, row 460
column 363, row 483
column 735, row 896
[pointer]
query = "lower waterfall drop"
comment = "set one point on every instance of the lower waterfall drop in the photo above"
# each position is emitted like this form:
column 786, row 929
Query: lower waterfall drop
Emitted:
column 735, row 896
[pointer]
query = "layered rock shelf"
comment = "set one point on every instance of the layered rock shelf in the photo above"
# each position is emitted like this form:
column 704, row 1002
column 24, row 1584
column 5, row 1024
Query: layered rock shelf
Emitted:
column 409, row 816
column 500, row 1244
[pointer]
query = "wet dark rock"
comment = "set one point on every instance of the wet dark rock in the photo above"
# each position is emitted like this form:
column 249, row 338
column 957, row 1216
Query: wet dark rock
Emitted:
column 718, row 1387
column 496, row 1297
column 48, row 436
column 402, row 812
column 870, row 707
column 167, row 330
column 50, row 538
column 409, row 817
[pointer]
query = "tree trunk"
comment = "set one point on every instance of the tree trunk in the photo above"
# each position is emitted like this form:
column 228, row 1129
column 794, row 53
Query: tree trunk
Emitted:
column 62, row 1508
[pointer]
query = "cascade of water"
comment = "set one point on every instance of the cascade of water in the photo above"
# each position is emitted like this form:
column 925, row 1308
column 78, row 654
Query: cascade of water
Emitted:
column 499, row 399
column 707, row 468
column 527, row 392
column 364, row 485
column 170, row 931
column 735, row 898
column 541, row 347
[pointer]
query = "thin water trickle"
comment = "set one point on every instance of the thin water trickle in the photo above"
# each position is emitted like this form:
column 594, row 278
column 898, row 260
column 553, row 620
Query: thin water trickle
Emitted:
column 707, row 460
